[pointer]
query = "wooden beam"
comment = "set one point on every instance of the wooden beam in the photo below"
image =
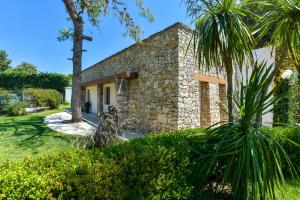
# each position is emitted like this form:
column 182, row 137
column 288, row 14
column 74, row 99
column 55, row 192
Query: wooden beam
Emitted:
column 108, row 79
column 210, row 79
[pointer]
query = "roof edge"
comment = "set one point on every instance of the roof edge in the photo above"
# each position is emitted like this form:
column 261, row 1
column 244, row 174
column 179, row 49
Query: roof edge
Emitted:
column 177, row 24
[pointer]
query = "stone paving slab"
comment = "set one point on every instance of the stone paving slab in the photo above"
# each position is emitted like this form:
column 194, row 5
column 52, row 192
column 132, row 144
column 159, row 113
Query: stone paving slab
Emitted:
column 61, row 122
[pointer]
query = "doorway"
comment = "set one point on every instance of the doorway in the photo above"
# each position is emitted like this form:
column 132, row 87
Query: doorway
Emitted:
column 109, row 96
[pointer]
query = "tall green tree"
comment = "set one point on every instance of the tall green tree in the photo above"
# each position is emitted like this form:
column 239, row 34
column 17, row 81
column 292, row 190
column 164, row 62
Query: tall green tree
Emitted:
column 4, row 61
column 222, row 38
column 283, row 18
column 26, row 67
column 94, row 9
column 280, row 22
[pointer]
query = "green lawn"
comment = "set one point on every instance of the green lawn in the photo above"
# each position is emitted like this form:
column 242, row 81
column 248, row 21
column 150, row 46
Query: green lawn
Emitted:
column 27, row 135
column 291, row 191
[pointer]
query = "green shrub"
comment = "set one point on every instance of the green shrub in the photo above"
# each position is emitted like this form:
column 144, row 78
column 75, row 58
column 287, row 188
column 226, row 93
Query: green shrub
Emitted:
column 43, row 97
column 17, row 108
column 5, row 96
column 289, row 138
column 18, row 81
column 158, row 166
column 71, row 174
column 155, row 167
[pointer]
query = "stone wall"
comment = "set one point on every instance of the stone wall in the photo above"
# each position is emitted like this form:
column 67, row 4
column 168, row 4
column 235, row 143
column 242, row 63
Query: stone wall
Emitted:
column 152, row 98
column 198, row 106
column 165, row 96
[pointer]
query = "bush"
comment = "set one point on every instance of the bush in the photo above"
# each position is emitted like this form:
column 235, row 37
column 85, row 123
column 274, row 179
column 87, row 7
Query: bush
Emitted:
column 155, row 167
column 17, row 108
column 5, row 96
column 18, row 81
column 43, row 97
column 158, row 166
column 289, row 138
column 71, row 174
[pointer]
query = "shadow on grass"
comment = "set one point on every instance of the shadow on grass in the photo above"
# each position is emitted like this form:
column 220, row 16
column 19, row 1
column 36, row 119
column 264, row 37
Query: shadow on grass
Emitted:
column 29, row 132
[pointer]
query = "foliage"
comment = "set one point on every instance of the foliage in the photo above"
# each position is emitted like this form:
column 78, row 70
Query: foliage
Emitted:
column 5, row 96
column 17, row 108
column 18, row 81
column 4, row 61
column 154, row 168
column 25, row 67
column 295, row 102
column 99, row 8
column 221, row 38
column 43, row 97
column 258, row 9
column 284, row 17
column 289, row 138
column 253, row 159
column 65, row 175
column 111, row 127
column 107, row 132
column 158, row 166
column 28, row 135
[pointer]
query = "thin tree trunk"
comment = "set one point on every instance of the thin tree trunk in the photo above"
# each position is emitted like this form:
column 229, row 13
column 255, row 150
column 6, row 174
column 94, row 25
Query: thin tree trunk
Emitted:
column 76, row 85
column 229, row 73
column 227, row 62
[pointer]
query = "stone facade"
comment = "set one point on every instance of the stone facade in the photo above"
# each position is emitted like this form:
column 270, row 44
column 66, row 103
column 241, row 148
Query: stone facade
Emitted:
column 198, row 102
column 166, row 95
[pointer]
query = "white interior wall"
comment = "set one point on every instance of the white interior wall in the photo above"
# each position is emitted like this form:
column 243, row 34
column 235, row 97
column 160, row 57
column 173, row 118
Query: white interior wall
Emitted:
column 68, row 94
column 93, row 98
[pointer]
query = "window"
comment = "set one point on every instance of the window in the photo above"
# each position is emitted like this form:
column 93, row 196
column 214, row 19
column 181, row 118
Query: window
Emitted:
column 88, row 96
column 107, row 100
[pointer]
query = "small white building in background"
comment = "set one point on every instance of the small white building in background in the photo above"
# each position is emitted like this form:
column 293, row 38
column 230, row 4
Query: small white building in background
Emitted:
column 68, row 94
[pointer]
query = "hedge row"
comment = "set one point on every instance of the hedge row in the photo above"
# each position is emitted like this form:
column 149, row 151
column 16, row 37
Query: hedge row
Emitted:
column 159, row 166
column 18, row 81
column 43, row 97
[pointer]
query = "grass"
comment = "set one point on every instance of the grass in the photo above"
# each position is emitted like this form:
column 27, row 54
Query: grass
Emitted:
column 291, row 191
column 26, row 136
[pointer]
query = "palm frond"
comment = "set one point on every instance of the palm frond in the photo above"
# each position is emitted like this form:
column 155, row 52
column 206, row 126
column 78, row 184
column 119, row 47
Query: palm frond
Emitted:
column 252, row 158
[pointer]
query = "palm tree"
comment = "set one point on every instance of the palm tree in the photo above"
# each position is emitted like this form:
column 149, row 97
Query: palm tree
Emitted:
column 222, row 38
column 251, row 158
column 282, row 18
column 282, row 21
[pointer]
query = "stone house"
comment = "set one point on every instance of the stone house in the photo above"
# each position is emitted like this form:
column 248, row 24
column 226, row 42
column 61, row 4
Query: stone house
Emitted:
column 157, row 82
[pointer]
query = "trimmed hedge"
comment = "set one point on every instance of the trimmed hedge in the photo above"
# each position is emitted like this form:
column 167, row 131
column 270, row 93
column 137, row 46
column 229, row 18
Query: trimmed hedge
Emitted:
column 158, row 166
column 18, row 81
column 72, row 174
column 43, row 97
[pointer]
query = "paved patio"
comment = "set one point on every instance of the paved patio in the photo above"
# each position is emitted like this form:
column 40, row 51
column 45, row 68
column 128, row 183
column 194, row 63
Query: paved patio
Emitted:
column 61, row 122
column 90, row 118
column 93, row 120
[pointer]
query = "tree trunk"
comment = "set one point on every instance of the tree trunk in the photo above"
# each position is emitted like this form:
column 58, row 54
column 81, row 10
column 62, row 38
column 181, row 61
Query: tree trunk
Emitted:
column 227, row 62
column 76, row 85
column 229, row 73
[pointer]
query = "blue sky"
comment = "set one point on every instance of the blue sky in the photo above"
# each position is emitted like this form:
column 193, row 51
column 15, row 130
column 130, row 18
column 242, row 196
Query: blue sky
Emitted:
column 29, row 29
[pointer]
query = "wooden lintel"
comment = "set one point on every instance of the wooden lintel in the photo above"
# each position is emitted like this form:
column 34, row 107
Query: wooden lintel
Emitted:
column 108, row 79
column 210, row 79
